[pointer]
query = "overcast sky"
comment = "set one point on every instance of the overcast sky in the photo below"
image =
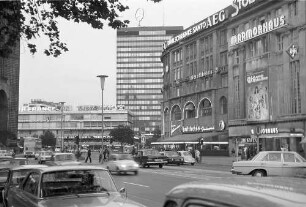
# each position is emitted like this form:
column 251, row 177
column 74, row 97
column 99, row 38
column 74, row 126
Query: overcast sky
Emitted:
column 72, row 76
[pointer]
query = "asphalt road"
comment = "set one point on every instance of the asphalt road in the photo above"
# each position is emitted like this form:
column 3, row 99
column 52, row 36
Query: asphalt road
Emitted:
column 151, row 184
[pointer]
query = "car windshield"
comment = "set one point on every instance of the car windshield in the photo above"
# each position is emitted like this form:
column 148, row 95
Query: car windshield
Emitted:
column 64, row 157
column 171, row 154
column 186, row 153
column 150, row 152
column 125, row 157
column 18, row 176
column 76, row 182
column 3, row 175
column 46, row 153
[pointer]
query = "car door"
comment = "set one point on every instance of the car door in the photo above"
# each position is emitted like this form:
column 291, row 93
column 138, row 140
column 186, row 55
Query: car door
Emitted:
column 27, row 193
column 291, row 164
column 274, row 164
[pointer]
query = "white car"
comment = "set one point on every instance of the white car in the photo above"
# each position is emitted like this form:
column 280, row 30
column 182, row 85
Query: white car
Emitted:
column 188, row 159
column 122, row 163
column 44, row 156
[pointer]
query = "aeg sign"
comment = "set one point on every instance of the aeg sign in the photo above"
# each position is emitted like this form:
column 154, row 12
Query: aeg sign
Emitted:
column 239, row 4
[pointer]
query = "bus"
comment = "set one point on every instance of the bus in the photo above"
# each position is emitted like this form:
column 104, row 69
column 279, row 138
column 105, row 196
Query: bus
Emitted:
column 31, row 146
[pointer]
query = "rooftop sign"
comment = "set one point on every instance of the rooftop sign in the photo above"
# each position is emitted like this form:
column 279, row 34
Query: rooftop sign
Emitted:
column 240, row 4
column 205, row 24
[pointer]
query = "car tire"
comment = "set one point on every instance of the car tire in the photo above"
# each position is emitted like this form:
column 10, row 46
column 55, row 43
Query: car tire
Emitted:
column 178, row 164
column 192, row 164
column 258, row 173
column 144, row 165
column 136, row 172
column 160, row 166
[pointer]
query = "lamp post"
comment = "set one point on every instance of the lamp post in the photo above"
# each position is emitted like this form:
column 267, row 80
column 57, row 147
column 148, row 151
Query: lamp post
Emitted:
column 102, row 81
column 62, row 114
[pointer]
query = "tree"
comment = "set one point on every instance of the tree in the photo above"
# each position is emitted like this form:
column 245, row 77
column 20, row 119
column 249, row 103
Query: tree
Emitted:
column 155, row 137
column 48, row 139
column 29, row 19
column 122, row 134
column 6, row 135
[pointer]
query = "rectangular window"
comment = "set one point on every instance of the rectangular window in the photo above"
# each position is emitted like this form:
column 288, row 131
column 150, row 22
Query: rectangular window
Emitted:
column 202, row 46
column 224, row 80
column 264, row 42
column 236, row 57
column 295, row 87
column 280, row 42
column 211, row 62
column 222, row 38
column 236, row 93
column 223, row 58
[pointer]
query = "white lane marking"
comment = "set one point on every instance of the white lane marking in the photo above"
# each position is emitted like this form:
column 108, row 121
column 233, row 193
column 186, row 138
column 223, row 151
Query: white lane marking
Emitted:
column 184, row 175
column 145, row 186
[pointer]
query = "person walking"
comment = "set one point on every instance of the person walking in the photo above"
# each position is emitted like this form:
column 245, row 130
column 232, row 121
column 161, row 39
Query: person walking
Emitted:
column 88, row 156
column 100, row 155
column 197, row 155
column 105, row 154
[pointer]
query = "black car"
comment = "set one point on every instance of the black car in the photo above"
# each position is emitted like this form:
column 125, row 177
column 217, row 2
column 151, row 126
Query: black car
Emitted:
column 148, row 157
column 173, row 157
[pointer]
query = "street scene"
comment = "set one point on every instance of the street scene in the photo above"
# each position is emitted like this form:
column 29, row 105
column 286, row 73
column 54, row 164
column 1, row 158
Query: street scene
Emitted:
column 152, row 103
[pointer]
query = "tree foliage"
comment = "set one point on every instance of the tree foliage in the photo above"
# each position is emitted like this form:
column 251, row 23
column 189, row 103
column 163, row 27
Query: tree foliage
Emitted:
column 29, row 19
column 6, row 135
column 155, row 137
column 122, row 134
column 48, row 139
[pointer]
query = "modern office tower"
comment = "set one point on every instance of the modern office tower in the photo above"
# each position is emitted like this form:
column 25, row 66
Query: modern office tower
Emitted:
column 140, row 73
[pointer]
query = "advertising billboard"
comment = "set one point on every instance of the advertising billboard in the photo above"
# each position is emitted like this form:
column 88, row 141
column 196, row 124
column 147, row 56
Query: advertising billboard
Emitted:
column 257, row 96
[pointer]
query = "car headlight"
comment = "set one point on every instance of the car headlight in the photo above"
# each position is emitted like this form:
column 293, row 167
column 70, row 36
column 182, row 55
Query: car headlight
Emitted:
column 123, row 166
column 136, row 165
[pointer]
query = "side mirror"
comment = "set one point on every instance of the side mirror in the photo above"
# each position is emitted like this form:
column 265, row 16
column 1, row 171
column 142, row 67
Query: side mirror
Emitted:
column 123, row 191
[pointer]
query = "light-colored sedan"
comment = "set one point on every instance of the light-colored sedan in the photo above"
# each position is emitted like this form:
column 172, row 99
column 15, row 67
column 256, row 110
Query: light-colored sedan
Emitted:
column 62, row 159
column 122, row 163
column 69, row 186
column 272, row 163
column 188, row 159
column 239, row 192
column 44, row 156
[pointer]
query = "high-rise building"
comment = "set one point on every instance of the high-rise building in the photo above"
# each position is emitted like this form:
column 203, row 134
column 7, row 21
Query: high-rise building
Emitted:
column 140, row 73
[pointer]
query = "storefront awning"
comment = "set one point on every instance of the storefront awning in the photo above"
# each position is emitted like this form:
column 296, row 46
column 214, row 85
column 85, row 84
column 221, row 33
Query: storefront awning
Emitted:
column 281, row 135
column 194, row 138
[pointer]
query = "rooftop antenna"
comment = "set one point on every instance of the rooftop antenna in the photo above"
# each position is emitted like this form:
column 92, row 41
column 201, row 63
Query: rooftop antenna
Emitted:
column 139, row 15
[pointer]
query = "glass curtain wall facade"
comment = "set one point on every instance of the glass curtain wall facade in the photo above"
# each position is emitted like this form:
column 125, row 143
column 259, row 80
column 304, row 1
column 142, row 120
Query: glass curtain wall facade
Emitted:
column 140, row 73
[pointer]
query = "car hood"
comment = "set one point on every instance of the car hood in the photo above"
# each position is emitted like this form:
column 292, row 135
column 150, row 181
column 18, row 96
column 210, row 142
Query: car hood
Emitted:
column 91, row 200
column 67, row 163
column 274, row 191
column 189, row 158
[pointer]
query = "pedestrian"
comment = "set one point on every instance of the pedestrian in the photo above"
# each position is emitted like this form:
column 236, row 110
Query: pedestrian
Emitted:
column 197, row 155
column 233, row 152
column 105, row 154
column 88, row 156
column 100, row 155
column 133, row 151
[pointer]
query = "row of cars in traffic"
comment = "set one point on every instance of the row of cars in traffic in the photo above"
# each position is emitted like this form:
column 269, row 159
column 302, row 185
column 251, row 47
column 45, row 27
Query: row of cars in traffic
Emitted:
column 124, row 163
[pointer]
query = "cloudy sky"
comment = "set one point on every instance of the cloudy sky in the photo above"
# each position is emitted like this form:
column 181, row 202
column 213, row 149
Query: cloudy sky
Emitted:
column 72, row 76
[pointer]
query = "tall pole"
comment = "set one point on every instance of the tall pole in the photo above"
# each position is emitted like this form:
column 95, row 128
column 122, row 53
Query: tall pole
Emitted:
column 102, row 81
column 62, row 114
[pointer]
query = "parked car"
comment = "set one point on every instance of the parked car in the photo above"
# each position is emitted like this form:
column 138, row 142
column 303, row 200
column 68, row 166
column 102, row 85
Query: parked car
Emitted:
column 44, row 156
column 3, row 153
column 271, row 163
column 8, row 161
column 68, row 186
column 173, row 157
column 148, row 157
column 62, row 159
column 239, row 192
column 4, row 172
column 122, row 163
column 15, row 177
column 188, row 159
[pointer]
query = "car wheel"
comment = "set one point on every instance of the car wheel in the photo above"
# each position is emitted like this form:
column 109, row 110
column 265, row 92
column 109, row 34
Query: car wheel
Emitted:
column 160, row 166
column 192, row 163
column 143, row 165
column 136, row 172
column 258, row 173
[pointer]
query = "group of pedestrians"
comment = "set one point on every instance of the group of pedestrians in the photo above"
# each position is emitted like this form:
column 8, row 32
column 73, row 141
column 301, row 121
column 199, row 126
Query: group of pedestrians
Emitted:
column 104, row 155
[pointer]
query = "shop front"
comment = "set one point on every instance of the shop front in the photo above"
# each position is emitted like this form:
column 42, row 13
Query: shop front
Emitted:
column 271, row 137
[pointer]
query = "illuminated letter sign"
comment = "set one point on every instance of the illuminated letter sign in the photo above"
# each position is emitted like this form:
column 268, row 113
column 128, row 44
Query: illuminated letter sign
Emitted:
column 239, row 4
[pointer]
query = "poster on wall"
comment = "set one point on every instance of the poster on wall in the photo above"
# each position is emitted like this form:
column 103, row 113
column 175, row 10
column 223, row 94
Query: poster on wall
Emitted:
column 176, row 128
column 257, row 96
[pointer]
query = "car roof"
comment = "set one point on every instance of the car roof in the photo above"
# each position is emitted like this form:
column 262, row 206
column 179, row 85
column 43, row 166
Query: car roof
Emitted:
column 20, row 167
column 238, row 190
column 71, row 167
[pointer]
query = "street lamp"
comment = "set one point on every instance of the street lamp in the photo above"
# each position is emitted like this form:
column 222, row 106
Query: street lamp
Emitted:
column 102, row 81
column 62, row 115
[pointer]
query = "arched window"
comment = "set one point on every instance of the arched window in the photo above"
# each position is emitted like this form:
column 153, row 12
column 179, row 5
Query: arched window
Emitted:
column 176, row 113
column 223, row 105
column 205, row 108
column 189, row 111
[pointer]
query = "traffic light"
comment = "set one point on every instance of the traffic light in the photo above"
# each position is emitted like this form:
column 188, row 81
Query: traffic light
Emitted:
column 76, row 140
